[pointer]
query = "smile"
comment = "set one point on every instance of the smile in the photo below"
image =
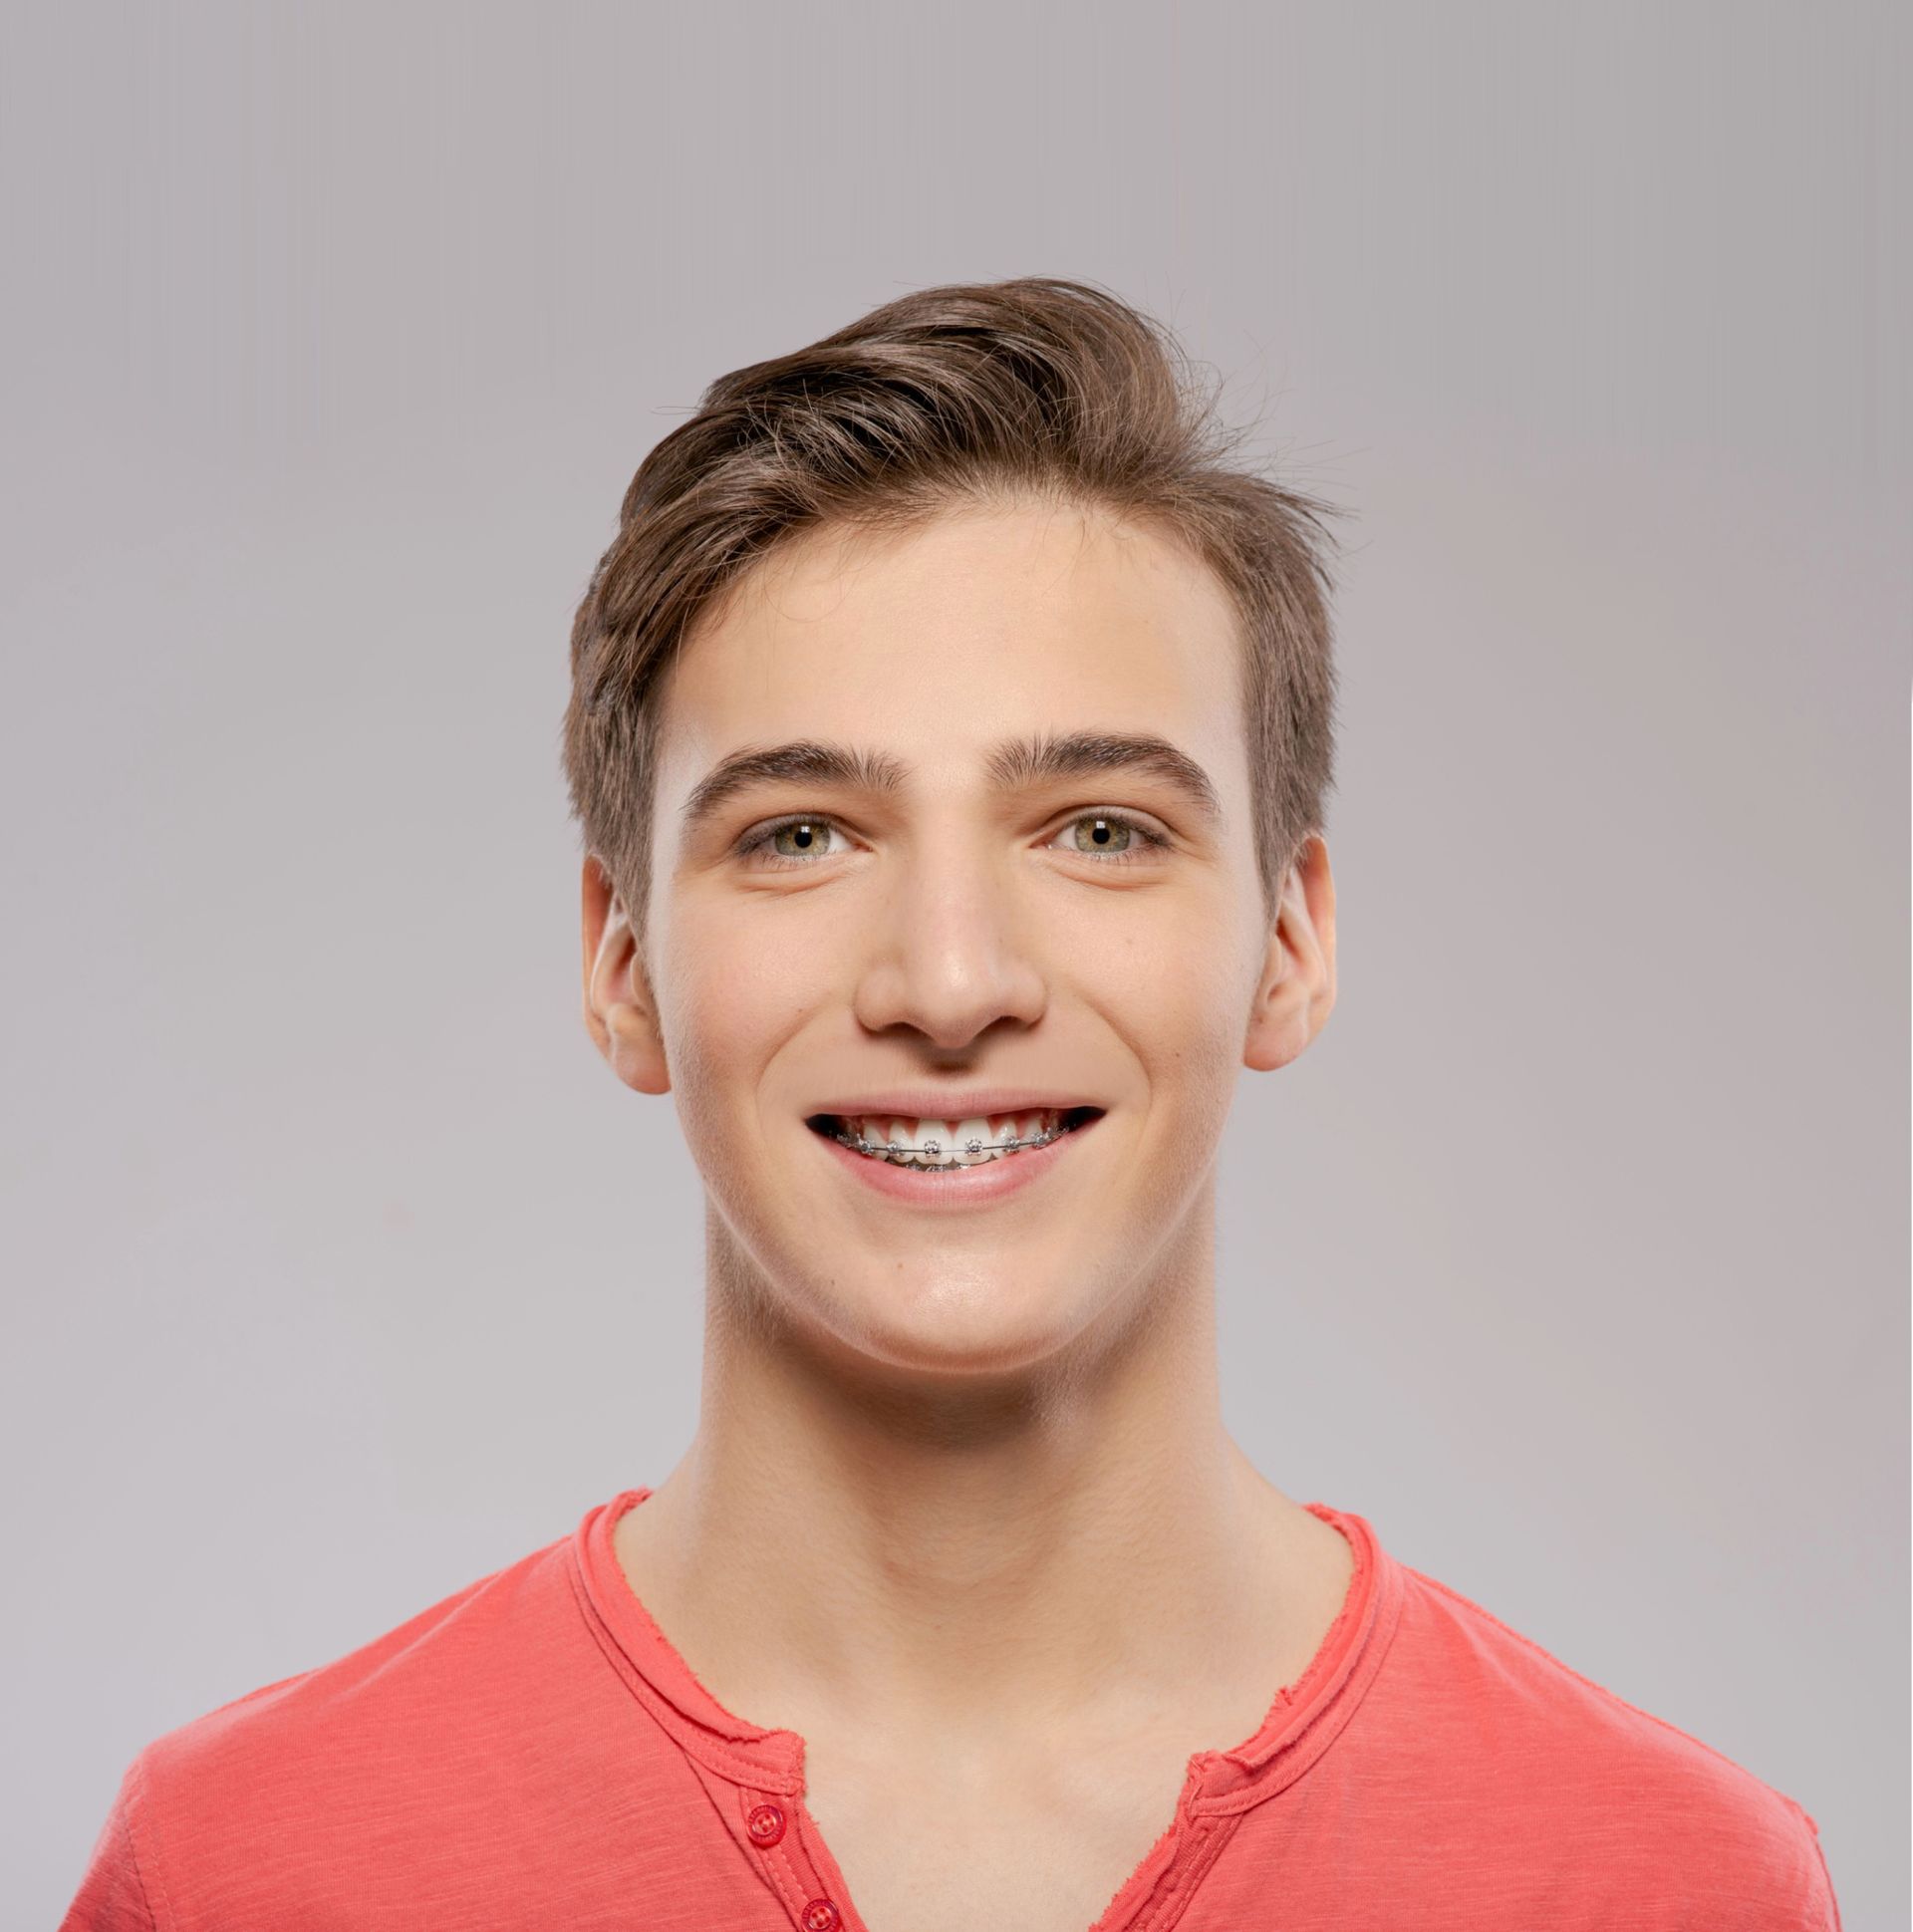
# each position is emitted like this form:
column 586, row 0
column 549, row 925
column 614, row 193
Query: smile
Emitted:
column 939, row 1146
column 947, row 1167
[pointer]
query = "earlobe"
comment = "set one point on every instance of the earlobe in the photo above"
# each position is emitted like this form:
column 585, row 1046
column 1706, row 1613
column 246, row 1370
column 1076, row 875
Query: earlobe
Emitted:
column 620, row 1013
column 1295, row 991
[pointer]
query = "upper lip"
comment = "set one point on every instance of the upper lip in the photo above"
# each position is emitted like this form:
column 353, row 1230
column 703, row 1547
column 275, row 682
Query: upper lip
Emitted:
column 932, row 1103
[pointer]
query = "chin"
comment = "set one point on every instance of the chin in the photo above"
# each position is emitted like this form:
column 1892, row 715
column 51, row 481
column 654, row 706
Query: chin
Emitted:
column 954, row 1325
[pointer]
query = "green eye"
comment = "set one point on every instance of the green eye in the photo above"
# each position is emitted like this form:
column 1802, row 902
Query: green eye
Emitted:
column 808, row 834
column 1114, row 836
column 1104, row 835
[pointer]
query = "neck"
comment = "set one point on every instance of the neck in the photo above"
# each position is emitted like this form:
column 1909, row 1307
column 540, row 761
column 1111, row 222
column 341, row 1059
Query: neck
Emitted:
column 1083, row 1540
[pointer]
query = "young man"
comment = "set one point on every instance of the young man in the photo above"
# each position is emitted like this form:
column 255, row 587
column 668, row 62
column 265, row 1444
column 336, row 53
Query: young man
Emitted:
column 949, row 733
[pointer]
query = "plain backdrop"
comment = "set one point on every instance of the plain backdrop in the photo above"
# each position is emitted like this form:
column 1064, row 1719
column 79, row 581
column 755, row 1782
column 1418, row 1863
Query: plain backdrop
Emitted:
column 340, row 1270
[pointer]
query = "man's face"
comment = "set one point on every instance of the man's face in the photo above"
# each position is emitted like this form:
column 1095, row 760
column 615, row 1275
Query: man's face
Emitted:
column 954, row 932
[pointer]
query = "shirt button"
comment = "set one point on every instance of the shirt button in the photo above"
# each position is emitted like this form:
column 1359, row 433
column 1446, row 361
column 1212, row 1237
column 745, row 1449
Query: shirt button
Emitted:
column 820, row 1915
column 765, row 1824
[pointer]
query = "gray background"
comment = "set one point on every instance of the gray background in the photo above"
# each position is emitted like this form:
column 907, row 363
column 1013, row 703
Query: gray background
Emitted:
column 341, row 1270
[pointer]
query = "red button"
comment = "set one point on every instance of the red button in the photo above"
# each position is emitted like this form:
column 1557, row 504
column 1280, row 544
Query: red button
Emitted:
column 820, row 1915
column 765, row 1824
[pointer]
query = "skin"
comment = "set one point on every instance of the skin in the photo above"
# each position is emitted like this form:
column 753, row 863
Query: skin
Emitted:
column 965, row 1475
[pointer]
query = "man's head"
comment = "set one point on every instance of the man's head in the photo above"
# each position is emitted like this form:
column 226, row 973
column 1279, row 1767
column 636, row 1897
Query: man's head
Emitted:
column 950, row 725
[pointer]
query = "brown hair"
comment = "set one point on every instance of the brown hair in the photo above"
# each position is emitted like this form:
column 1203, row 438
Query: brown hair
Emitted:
column 948, row 397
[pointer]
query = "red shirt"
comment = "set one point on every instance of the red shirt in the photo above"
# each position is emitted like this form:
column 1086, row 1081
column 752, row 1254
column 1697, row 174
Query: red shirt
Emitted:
column 532, row 1752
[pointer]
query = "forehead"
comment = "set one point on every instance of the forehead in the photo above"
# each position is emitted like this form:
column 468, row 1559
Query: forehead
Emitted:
column 937, row 642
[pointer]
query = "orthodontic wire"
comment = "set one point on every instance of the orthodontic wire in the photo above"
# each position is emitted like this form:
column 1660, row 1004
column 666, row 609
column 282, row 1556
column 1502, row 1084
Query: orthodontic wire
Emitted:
column 863, row 1144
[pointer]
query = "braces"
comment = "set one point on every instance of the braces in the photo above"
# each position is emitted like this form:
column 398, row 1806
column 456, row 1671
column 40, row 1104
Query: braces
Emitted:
column 864, row 1145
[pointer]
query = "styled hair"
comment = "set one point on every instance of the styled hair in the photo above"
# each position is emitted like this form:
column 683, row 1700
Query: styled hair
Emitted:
column 946, row 398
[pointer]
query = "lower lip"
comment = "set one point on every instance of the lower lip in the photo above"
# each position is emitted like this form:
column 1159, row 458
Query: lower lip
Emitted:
column 963, row 1186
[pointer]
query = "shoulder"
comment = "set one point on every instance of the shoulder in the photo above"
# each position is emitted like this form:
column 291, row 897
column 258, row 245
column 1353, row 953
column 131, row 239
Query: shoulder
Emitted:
column 473, row 1642
column 1591, row 1781
column 241, row 1799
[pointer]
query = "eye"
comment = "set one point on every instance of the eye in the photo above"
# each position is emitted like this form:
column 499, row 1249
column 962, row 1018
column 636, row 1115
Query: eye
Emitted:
column 1113, row 838
column 1110, row 838
column 809, row 837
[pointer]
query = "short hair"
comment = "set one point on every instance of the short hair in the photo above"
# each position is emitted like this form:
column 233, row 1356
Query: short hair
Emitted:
column 945, row 399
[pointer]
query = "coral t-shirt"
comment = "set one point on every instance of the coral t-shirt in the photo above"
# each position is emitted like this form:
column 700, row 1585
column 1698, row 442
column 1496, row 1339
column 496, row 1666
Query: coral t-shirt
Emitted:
column 533, row 1753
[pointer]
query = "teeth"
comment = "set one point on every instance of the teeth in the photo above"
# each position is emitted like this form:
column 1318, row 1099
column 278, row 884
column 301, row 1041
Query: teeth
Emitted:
column 945, row 1143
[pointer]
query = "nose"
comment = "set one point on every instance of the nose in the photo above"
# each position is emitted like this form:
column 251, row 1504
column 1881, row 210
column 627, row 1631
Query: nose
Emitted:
column 949, row 949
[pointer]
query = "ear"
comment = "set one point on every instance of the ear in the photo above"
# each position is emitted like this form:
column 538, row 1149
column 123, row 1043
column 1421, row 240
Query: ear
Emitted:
column 1296, row 989
column 620, row 1013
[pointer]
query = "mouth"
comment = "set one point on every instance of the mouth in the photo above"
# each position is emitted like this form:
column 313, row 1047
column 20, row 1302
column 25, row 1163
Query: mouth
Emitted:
column 947, row 1147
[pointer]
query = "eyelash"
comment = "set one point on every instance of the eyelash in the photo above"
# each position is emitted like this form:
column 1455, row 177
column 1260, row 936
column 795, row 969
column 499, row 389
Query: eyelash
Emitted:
column 782, row 862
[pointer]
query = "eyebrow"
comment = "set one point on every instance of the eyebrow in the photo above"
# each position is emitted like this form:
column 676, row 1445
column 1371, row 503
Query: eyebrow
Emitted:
column 1014, row 764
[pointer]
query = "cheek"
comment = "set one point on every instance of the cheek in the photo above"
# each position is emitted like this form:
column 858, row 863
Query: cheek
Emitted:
column 1181, row 1008
column 727, row 1000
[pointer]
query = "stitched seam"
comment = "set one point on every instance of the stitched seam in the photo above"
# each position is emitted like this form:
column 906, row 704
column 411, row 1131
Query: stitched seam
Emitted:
column 738, row 1770
column 1173, row 1829
column 1363, row 1584
column 1304, row 1749
column 796, row 1897
column 1169, row 1912
column 801, row 1826
column 145, row 1810
column 760, row 1865
column 785, row 1882
column 679, row 1661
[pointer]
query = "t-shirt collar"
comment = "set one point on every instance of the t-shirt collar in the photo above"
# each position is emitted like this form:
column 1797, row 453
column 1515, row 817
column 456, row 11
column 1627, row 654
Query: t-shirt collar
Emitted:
column 1304, row 1719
